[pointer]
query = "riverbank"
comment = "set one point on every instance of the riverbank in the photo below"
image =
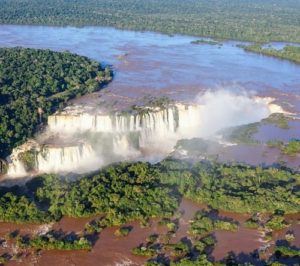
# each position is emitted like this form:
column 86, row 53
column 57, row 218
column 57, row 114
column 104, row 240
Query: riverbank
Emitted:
column 289, row 52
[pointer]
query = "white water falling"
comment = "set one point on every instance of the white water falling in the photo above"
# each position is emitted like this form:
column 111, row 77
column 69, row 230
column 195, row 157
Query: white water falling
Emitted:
column 76, row 158
column 149, row 134
column 16, row 169
column 80, row 122
column 123, row 147
column 54, row 159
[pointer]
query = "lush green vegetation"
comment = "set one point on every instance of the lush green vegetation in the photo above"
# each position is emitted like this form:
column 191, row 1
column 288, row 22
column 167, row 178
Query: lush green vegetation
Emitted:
column 253, row 222
column 171, row 225
column 95, row 226
column 289, row 236
column 241, row 134
column 291, row 148
column 276, row 222
column 210, row 42
column 122, row 192
column 278, row 119
column 253, row 20
column 234, row 188
column 51, row 241
column 275, row 144
column 203, row 224
column 244, row 134
column 142, row 250
column 200, row 261
column 152, row 238
column 20, row 209
column 189, row 251
column 287, row 251
column 291, row 53
column 34, row 83
column 128, row 191
column 28, row 159
column 123, row 231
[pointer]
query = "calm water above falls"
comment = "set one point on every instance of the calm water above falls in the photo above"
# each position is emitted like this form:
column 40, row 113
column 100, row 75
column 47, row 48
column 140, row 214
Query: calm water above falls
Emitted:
column 153, row 62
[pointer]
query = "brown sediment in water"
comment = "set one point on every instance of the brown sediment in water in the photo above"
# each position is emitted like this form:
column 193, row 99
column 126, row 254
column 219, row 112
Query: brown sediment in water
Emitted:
column 112, row 250
column 242, row 241
column 108, row 249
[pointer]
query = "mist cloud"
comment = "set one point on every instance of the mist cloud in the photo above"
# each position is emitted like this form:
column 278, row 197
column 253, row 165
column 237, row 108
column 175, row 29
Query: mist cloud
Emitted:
column 224, row 108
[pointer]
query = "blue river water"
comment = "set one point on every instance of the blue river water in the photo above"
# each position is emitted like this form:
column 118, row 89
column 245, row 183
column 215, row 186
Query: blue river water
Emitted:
column 146, row 60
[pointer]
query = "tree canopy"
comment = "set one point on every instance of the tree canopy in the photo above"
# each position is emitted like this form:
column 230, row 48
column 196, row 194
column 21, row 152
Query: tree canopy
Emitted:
column 128, row 191
column 34, row 83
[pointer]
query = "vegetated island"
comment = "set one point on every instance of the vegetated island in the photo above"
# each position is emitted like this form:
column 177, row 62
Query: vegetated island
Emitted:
column 291, row 148
column 289, row 52
column 125, row 192
column 251, row 20
column 244, row 134
column 210, row 42
column 35, row 83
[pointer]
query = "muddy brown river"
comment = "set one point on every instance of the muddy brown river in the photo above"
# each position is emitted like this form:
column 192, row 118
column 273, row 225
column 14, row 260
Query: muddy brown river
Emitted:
column 112, row 250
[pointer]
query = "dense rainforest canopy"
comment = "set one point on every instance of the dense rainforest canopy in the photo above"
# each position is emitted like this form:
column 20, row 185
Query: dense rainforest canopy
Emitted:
column 254, row 20
column 123, row 192
column 34, row 83
column 128, row 191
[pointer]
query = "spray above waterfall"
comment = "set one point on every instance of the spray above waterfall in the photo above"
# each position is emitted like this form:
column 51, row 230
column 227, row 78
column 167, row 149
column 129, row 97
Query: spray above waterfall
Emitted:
column 224, row 108
column 80, row 139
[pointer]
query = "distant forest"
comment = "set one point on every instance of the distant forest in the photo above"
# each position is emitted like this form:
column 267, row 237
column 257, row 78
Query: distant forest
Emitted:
column 253, row 20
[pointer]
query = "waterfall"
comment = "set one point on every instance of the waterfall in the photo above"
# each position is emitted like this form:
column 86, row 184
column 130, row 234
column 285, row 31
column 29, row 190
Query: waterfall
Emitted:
column 105, row 138
column 16, row 166
column 51, row 159
column 161, row 120
column 86, row 139
column 16, row 169
column 33, row 157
